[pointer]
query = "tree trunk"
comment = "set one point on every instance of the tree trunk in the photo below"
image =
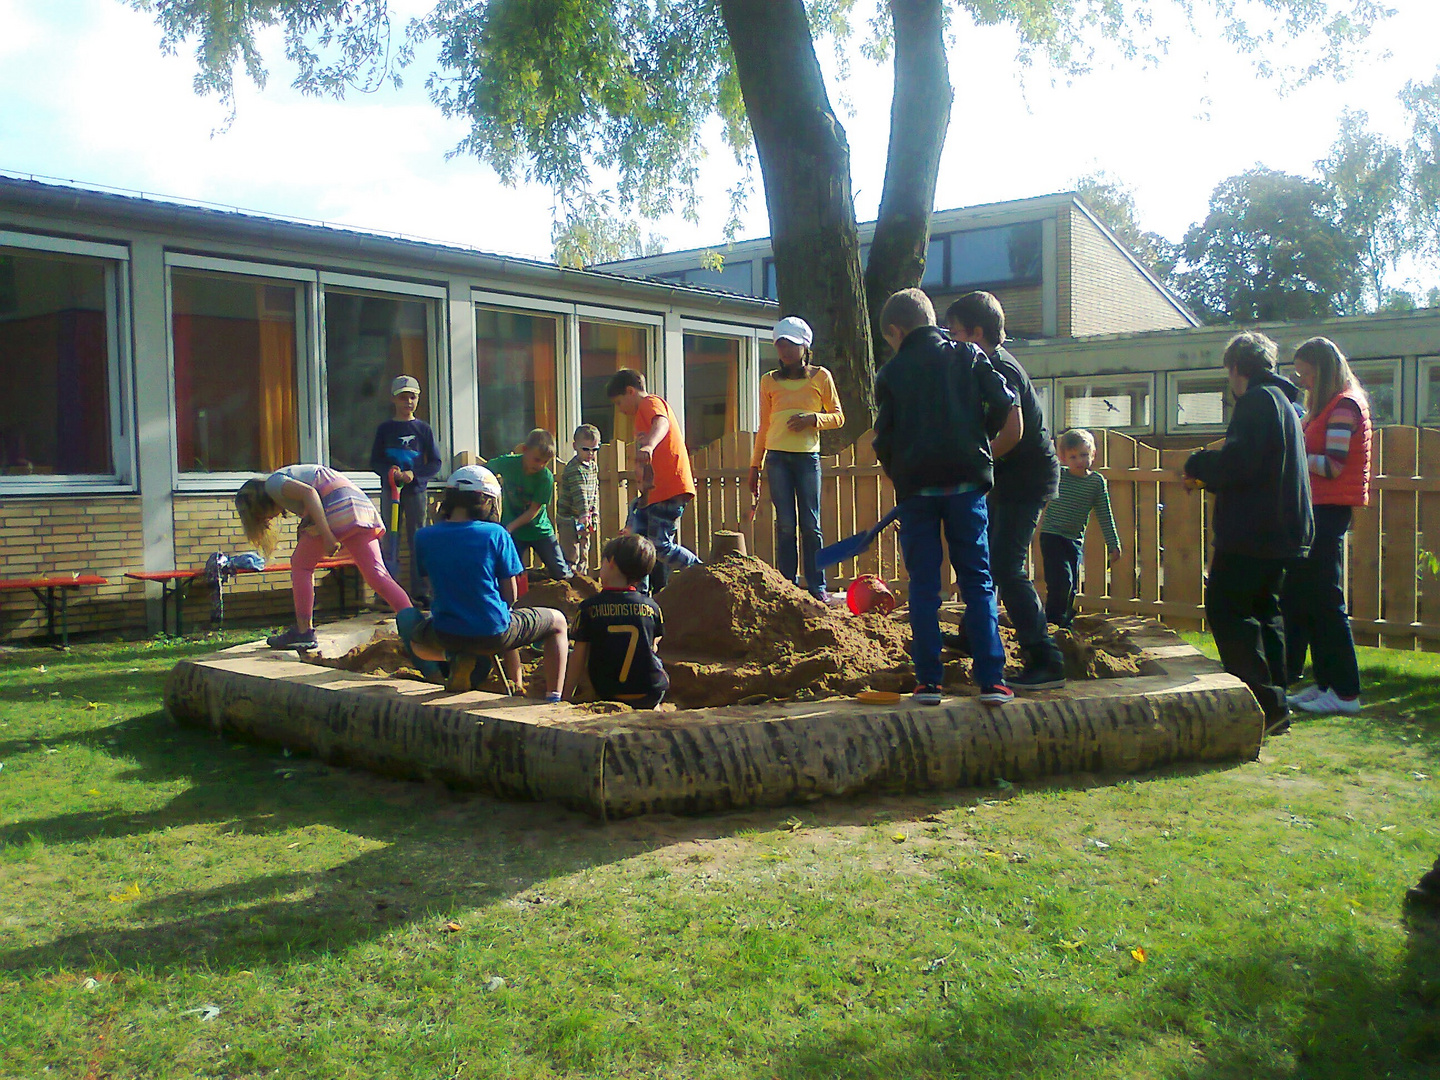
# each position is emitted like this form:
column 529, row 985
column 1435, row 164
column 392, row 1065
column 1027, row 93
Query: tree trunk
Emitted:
column 805, row 165
column 919, row 117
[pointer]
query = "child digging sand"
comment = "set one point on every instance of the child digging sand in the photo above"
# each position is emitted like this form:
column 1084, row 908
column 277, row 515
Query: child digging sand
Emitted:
column 472, row 564
column 937, row 402
column 618, row 630
column 529, row 486
column 333, row 513
column 1062, row 533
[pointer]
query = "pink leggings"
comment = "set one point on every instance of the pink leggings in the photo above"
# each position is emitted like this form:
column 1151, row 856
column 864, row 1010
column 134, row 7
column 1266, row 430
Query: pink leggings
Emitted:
column 364, row 547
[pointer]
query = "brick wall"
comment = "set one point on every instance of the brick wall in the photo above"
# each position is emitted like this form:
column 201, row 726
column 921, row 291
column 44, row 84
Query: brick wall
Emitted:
column 88, row 534
column 1111, row 296
column 1023, row 304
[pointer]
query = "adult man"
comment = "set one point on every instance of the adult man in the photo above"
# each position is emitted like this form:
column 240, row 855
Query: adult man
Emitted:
column 1025, row 480
column 1262, row 521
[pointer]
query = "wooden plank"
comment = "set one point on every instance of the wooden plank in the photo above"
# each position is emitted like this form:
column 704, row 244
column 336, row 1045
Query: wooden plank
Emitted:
column 1181, row 533
column 1147, row 523
column 1121, row 463
column 845, row 525
column 1400, row 551
column 867, row 504
column 1428, row 459
column 892, row 565
column 1364, row 554
column 744, row 446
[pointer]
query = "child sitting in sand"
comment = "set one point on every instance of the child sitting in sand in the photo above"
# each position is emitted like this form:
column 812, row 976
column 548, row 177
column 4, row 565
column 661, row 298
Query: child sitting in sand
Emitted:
column 618, row 630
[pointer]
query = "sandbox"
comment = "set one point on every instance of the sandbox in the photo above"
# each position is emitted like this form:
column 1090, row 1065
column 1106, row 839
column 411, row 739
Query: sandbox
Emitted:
column 1176, row 707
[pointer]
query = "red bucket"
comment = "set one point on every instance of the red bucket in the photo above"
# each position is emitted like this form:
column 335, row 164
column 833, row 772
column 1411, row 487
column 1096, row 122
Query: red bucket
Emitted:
column 868, row 593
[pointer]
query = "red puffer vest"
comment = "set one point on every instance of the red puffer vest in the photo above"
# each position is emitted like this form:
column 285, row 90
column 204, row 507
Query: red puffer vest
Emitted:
column 1352, row 486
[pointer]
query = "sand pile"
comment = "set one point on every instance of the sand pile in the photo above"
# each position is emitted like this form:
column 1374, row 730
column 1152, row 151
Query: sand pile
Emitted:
column 564, row 596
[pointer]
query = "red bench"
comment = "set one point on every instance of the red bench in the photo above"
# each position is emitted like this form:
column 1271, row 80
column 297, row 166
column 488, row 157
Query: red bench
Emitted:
column 175, row 586
column 52, row 592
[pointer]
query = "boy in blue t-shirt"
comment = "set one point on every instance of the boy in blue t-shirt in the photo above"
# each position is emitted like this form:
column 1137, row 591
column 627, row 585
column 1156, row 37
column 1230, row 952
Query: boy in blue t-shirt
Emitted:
column 473, row 564
column 408, row 445
column 617, row 630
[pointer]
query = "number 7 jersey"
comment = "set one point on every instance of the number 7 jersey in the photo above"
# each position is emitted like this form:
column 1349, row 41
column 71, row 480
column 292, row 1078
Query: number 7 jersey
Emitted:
column 621, row 626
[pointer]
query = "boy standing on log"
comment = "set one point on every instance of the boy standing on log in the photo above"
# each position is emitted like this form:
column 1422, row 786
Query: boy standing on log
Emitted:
column 1263, row 521
column 937, row 401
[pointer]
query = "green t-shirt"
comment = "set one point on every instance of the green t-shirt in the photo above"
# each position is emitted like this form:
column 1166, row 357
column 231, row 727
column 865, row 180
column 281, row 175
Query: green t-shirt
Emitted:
column 520, row 490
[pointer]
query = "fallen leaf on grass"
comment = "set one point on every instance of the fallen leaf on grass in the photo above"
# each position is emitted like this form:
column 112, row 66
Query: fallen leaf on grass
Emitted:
column 451, row 927
column 794, row 824
column 130, row 893
column 1387, row 828
column 92, row 705
column 495, row 982
column 994, row 854
column 1018, row 857
column 1070, row 946
column 1153, row 882
column 91, row 983
column 1139, row 954
column 205, row 1012
column 898, row 837
column 93, row 791
column 1101, row 844
column 1420, row 775
column 938, row 962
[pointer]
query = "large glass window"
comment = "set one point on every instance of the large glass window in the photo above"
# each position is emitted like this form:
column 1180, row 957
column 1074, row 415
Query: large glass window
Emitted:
column 369, row 340
column 934, row 262
column 1199, row 400
column 1381, row 380
column 605, row 348
column 236, row 392
column 55, row 364
column 731, row 277
column 1005, row 255
column 1430, row 391
column 712, row 388
column 1121, row 402
column 515, row 374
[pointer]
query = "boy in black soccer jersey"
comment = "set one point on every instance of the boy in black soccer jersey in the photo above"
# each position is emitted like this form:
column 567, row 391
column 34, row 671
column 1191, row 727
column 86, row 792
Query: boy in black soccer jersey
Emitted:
column 616, row 631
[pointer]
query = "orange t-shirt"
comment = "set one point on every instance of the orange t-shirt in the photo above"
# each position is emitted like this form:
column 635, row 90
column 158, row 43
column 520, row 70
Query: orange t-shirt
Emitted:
column 669, row 458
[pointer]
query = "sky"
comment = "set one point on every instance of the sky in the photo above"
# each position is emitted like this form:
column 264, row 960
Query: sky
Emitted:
column 85, row 95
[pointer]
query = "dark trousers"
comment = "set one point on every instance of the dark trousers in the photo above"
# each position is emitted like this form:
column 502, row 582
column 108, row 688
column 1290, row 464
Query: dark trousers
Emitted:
column 1242, row 605
column 1313, row 602
column 1010, row 531
column 963, row 519
column 547, row 550
column 412, row 517
column 795, row 491
column 1061, row 558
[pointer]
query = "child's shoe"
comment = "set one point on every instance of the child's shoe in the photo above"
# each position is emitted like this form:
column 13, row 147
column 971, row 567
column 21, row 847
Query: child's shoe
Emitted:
column 996, row 695
column 294, row 638
column 1327, row 702
column 462, row 666
column 1310, row 693
column 926, row 694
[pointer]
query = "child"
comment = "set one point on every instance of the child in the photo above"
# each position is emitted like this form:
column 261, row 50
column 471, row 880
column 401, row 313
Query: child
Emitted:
column 662, row 463
column 937, row 401
column 407, row 444
column 529, row 487
column 333, row 513
column 473, row 564
column 1063, row 530
column 618, row 630
column 797, row 402
column 578, row 506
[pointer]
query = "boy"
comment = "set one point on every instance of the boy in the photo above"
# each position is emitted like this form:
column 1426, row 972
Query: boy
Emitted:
column 618, row 630
column 473, row 563
column 406, row 444
column 1263, row 521
column 1062, row 536
column 662, row 472
column 529, row 487
column 937, row 400
column 1025, row 480
column 578, row 507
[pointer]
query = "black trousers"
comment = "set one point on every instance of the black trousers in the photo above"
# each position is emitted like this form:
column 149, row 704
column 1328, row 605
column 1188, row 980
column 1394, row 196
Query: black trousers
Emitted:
column 1242, row 605
column 1061, row 557
column 1313, row 602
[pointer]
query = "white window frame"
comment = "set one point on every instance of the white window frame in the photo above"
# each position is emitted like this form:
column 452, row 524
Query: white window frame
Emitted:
column 567, row 341
column 1360, row 367
column 1173, row 426
column 307, row 335
column 651, row 323
column 748, row 414
column 120, row 369
column 1424, row 366
column 1045, row 395
column 1101, row 381
column 437, row 374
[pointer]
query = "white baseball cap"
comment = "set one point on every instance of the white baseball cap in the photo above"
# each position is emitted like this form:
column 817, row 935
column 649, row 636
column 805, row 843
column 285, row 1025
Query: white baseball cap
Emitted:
column 403, row 383
column 793, row 329
column 474, row 478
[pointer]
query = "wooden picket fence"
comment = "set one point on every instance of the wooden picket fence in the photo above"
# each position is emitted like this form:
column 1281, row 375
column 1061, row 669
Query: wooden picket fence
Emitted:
column 1164, row 530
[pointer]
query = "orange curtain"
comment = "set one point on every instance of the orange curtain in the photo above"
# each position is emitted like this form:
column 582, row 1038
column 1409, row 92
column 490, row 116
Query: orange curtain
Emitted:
column 732, row 387
column 414, row 360
column 279, row 414
column 542, row 365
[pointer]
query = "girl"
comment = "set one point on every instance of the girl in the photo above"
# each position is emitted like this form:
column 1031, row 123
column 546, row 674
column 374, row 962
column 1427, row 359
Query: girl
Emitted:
column 797, row 402
column 333, row 513
column 1337, row 448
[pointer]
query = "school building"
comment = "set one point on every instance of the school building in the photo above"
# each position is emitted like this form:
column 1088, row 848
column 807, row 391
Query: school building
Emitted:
column 156, row 354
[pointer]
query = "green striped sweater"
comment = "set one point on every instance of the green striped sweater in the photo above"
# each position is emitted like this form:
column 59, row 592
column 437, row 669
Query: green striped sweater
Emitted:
column 1067, row 513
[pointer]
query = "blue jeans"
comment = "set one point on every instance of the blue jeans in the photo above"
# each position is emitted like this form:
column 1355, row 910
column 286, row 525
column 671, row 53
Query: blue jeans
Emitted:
column 412, row 517
column 548, row 552
column 963, row 519
column 795, row 491
column 660, row 524
column 1011, row 529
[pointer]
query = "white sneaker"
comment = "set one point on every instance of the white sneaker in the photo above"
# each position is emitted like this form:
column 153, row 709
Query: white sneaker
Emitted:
column 1330, row 703
column 1310, row 693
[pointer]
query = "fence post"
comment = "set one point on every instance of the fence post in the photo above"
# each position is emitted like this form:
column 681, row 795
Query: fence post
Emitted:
column 1183, row 550
column 1400, row 550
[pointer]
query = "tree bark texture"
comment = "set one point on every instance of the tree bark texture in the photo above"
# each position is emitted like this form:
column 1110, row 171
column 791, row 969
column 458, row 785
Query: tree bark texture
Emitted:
column 919, row 118
column 805, row 165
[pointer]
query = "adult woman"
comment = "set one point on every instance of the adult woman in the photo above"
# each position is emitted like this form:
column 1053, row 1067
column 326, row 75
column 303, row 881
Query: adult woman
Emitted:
column 1337, row 449
column 797, row 402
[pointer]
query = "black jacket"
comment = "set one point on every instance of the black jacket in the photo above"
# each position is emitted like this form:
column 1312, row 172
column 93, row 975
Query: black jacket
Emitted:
column 1031, row 471
column 1260, row 479
column 936, row 401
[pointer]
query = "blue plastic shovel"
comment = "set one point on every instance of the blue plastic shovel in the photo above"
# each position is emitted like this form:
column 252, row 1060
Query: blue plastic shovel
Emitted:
column 854, row 545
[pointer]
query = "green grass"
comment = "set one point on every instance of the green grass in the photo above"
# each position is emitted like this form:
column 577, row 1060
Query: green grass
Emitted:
column 148, row 871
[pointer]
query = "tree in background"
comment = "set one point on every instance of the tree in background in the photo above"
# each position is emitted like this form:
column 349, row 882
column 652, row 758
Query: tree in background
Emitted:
column 562, row 91
column 1366, row 173
column 1422, row 163
column 590, row 233
column 1273, row 247
column 1113, row 202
